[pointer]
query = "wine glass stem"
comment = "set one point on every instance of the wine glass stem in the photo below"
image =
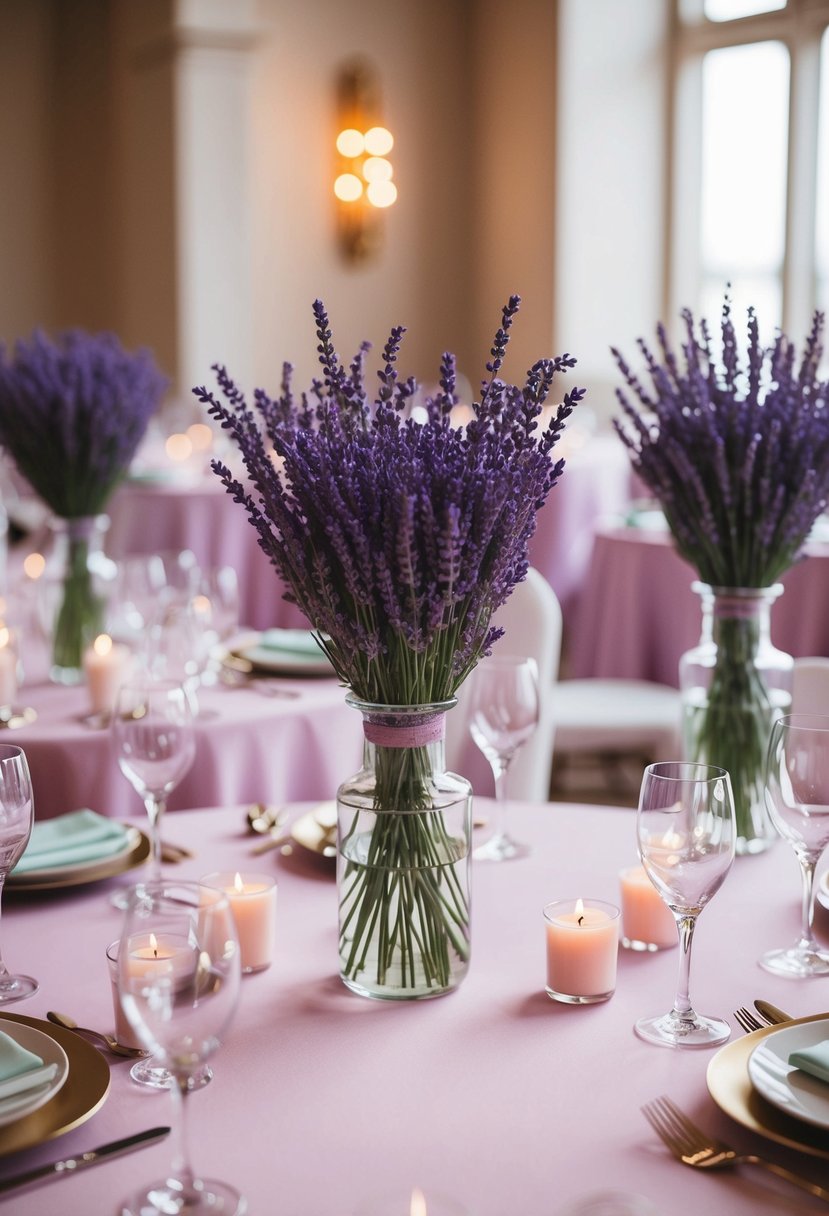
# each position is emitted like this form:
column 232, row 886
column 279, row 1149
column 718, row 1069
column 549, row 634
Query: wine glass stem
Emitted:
column 500, row 774
column 155, row 806
column 682, row 1002
column 182, row 1169
column 807, row 915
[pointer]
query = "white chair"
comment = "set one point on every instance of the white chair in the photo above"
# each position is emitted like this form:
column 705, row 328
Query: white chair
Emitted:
column 531, row 620
column 810, row 685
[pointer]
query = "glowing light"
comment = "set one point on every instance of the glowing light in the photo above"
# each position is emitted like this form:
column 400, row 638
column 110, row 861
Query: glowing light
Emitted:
column 201, row 436
column 377, row 169
column 238, row 884
column 102, row 644
column 381, row 194
column 34, row 564
column 348, row 187
column 5, row 637
column 179, row 447
column 379, row 141
column 418, row 1204
column 350, row 143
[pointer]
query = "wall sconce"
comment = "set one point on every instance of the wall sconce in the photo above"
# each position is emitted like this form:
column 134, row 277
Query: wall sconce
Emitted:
column 363, row 184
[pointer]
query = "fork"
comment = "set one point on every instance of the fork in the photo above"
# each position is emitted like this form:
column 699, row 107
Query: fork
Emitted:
column 748, row 1021
column 692, row 1146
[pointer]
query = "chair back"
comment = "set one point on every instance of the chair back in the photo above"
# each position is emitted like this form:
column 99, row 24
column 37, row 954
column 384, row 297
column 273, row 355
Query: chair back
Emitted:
column 810, row 685
column 531, row 620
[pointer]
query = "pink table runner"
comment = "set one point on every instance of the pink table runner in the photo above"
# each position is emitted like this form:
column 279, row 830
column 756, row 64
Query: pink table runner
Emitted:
column 511, row 1103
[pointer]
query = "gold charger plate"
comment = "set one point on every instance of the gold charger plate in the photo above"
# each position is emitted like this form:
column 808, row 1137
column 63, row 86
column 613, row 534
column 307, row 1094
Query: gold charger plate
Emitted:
column 83, row 1092
column 75, row 876
column 730, row 1087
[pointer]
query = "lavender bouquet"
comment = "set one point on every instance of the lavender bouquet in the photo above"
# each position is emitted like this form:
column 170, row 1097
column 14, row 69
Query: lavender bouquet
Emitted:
column 737, row 453
column 72, row 413
column 398, row 539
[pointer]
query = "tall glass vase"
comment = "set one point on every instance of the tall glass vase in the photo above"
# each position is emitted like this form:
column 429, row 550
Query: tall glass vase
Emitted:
column 404, row 836
column 734, row 684
column 75, row 580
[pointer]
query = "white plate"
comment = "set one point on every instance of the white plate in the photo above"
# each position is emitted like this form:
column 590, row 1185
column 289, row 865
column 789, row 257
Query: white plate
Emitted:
column 791, row 1089
column 50, row 1052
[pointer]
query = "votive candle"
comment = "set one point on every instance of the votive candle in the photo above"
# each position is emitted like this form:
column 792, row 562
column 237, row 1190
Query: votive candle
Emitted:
column 647, row 921
column 582, row 950
column 105, row 666
column 252, row 899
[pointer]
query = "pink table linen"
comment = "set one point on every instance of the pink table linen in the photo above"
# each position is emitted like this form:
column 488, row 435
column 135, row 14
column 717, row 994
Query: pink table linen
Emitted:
column 637, row 613
column 511, row 1103
column 250, row 747
column 154, row 518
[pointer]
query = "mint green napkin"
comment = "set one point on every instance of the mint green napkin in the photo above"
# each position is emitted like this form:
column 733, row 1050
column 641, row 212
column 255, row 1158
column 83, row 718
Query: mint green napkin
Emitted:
column 814, row 1060
column 293, row 641
column 20, row 1070
column 71, row 839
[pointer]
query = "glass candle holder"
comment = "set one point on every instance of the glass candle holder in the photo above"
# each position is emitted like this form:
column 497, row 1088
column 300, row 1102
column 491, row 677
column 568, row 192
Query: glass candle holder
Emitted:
column 253, row 903
column 582, row 950
column 647, row 921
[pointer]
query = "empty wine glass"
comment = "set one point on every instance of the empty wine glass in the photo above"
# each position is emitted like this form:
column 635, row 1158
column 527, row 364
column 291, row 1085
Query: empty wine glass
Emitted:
column 178, row 985
column 152, row 731
column 685, row 832
column 797, row 797
column 16, row 816
column 503, row 715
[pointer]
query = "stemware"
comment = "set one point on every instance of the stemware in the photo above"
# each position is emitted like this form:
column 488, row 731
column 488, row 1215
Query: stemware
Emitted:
column 152, row 732
column 503, row 715
column 178, row 984
column 16, row 817
column 797, row 798
column 685, row 831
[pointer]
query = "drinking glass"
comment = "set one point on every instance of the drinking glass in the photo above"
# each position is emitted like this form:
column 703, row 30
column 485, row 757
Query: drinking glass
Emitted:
column 178, row 984
column 504, row 713
column 16, row 817
column 152, row 731
column 685, row 831
column 797, row 797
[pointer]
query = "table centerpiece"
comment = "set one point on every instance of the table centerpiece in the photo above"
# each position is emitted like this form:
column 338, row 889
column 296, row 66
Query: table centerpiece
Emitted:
column 398, row 534
column 72, row 413
column 736, row 450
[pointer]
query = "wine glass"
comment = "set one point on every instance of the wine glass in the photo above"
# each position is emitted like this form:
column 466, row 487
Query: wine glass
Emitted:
column 16, row 816
column 152, row 731
column 178, row 984
column 685, row 831
column 797, row 797
column 503, row 715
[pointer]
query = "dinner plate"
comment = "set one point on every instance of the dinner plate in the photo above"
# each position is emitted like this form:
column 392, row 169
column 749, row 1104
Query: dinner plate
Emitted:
column 730, row 1087
column 83, row 1092
column 135, row 852
column 314, row 830
column 273, row 661
column 50, row 1052
column 788, row 1088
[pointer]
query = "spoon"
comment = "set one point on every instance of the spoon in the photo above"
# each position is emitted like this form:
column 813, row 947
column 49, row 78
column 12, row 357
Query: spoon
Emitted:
column 112, row 1044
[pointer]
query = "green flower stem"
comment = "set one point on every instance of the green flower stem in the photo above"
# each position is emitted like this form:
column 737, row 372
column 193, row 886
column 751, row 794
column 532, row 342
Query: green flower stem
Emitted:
column 79, row 616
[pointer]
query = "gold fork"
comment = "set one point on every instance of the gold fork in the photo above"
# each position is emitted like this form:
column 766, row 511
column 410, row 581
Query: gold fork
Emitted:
column 747, row 1020
column 692, row 1146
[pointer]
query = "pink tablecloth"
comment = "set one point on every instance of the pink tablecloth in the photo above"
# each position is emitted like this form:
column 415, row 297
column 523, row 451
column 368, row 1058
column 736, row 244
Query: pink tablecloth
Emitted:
column 637, row 613
column 513, row 1104
column 250, row 747
column 154, row 518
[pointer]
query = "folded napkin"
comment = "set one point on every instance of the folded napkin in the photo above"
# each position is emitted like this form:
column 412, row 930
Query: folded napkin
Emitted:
column 70, row 839
column 20, row 1072
column 814, row 1060
column 292, row 641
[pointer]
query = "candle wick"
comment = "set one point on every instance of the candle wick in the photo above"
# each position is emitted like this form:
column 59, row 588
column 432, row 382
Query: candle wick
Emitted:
column 581, row 918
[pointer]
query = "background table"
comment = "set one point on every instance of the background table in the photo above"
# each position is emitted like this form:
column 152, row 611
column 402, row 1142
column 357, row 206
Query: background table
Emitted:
column 637, row 613
column 497, row 1095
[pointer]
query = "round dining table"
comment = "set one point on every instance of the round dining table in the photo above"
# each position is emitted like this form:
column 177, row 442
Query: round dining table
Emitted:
column 324, row 1103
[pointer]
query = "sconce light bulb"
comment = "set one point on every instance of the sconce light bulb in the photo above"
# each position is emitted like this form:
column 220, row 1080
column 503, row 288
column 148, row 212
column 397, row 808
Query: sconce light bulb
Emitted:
column 377, row 169
column 350, row 143
column 379, row 141
column 348, row 187
column 381, row 194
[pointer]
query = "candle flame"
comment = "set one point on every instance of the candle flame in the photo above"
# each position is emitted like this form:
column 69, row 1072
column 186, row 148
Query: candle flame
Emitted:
column 34, row 564
column 201, row 436
column 418, row 1204
column 237, row 883
column 154, row 944
column 102, row 644
column 5, row 636
column 579, row 910
column 179, row 447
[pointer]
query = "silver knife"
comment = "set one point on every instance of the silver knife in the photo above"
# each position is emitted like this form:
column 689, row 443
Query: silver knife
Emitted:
column 71, row 1165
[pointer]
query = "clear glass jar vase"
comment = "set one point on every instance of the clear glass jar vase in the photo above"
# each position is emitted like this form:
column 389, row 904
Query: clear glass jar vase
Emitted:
column 75, row 584
column 403, row 853
column 734, row 684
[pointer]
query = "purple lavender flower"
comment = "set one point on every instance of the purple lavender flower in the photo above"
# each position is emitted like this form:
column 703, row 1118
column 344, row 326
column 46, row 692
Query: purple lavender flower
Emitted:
column 397, row 539
column 72, row 413
column 741, row 474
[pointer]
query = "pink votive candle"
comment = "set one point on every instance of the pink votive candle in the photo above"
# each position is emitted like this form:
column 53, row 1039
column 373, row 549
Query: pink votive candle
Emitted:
column 582, row 950
column 252, row 900
column 647, row 921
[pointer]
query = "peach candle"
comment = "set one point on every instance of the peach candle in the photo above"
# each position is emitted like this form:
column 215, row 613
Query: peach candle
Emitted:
column 253, row 903
column 647, row 921
column 149, row 957
column 8, row 666
column 105, row 666
column 582, row 950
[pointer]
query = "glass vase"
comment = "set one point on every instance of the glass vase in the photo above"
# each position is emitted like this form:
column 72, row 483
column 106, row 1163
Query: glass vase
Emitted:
column 734, row 684
column 75, row 582
column 403, row 850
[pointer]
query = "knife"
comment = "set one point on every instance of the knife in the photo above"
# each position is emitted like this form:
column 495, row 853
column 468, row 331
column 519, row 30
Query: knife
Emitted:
column 771, row 1013
column 71, row 1165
